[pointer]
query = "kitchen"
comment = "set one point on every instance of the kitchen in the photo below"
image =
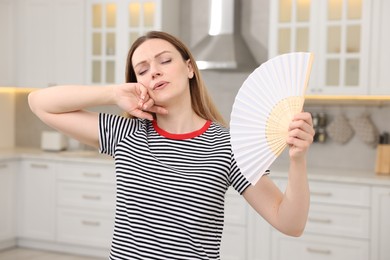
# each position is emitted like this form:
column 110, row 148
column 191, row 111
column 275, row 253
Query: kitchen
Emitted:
column 350, row 202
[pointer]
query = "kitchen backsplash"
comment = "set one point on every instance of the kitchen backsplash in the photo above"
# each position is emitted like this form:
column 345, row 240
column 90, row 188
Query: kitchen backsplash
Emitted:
column 7, row 117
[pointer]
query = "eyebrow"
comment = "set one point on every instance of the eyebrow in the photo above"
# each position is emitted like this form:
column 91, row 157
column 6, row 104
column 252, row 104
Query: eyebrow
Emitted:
column 157, row 55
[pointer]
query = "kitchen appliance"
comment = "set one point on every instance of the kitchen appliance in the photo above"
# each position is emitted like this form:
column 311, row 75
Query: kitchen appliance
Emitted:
column 224, row 48
column 53, row 141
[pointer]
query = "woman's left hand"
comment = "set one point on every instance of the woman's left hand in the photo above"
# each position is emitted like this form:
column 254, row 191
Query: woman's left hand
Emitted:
column 300, row 135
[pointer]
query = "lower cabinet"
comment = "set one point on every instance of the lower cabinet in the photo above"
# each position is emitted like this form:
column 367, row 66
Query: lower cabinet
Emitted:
column 85, row 204
column 234, row 243
column 70, row 205
column 7, row 203
column 338, row 225
column 37, row 203
column 85, row 227
column 380, row 249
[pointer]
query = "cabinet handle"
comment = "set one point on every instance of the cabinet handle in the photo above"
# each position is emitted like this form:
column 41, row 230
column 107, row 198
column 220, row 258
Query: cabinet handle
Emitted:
column 92, row 174
column 320, row 193
column 90, row 223
column 39, row 166
column 320, row 220
column 91, row 197
column 3, row 166
column 318, row 251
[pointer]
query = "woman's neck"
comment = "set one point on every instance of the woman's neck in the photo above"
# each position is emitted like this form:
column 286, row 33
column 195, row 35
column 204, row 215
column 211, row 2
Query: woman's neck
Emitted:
column 180, row 121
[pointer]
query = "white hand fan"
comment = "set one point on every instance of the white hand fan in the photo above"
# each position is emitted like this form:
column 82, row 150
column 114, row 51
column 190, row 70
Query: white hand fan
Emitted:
column 264, row 107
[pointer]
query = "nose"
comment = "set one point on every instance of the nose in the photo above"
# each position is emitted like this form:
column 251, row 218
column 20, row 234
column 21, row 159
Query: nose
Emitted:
column 155, row 71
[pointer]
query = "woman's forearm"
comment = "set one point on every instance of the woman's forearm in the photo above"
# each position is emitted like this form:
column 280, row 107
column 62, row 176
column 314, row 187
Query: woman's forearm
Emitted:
column 294, row 207
column 63, row 99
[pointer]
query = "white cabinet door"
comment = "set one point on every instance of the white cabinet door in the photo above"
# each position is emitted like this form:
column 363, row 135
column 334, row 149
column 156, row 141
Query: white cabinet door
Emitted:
column 7, row 29
column 50, row 42
column 7, row 200
column 112, row 27
column 37, row 201
column 85, row 227
column 258, row 237
column 337, row 32
column 234, row 244
column 380, row 249
column 85, row 203
column 379, row 51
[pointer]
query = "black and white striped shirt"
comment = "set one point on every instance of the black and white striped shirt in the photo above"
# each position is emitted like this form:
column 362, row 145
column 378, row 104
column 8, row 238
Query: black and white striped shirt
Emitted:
column 170, row 188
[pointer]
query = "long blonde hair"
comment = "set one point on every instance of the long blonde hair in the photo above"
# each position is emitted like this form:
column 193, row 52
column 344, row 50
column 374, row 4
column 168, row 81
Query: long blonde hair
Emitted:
column 201, row 101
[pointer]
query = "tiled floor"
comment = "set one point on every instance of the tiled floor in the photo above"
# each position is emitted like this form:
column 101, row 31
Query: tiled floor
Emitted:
column 32, row 254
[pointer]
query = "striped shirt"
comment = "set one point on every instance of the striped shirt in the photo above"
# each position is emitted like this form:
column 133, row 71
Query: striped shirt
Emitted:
column 170, row 188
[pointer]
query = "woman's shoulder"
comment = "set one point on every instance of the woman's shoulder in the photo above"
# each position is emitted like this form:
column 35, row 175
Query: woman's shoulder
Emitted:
column 215, row 126
column 219, row 130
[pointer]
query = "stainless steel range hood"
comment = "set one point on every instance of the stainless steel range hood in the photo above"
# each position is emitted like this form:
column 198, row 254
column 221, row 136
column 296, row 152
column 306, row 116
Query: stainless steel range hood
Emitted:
column 224, row 48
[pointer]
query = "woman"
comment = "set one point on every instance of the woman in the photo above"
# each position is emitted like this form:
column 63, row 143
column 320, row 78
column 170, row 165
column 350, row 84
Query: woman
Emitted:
column 173, row 156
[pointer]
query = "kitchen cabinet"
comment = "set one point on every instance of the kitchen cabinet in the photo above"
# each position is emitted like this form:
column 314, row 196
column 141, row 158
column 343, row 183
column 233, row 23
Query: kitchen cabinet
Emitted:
column 258, row 237
column 112, row 26
column 233, row 244
column 7, row 203
column 50, row 42
column 336, row 31
column 37, row 203
column 380, row 223
column 86, row 204
column 67, row 204
column 380, row 51
column 7, row 23
column 338, row 225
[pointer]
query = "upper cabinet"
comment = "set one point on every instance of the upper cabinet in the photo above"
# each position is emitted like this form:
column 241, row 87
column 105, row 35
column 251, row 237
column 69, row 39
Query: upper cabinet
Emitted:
column 380, row 51
column 112, row 26
column 76, row 41
column 339, row 33
column 50, row 42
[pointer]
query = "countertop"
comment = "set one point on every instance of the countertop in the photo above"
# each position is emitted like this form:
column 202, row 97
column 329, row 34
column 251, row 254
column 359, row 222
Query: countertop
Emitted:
column 350, row 176
column 72, row 156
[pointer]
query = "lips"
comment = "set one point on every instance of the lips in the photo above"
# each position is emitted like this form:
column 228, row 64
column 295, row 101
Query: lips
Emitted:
column 159, row 85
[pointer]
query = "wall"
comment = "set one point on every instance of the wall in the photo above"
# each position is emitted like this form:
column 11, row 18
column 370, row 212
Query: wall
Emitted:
column 29, row 128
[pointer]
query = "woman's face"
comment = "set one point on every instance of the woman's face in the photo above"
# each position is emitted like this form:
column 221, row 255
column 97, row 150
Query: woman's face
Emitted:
column 160, row 67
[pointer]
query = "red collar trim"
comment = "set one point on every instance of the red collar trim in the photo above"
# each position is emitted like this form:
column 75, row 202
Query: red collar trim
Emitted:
column 181, row 136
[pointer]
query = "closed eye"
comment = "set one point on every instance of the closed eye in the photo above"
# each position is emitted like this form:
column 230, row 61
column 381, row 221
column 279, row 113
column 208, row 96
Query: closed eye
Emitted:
column 166, row 61
column 142, row 72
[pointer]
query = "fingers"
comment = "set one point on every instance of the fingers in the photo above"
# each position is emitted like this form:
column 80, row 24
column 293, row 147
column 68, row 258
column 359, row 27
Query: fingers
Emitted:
column 305, row 116
column 142, row 91
column 149, row 106
column 301, row 132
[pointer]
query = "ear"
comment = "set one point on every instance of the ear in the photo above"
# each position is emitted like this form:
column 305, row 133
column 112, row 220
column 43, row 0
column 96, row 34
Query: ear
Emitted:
column 190, row 69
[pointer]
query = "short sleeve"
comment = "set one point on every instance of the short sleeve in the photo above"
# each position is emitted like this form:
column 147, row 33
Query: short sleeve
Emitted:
column 237, row 179
column 112, row 129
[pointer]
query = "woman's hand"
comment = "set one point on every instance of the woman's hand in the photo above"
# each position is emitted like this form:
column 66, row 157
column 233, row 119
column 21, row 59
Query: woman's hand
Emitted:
column 300, row 135
column 135, row 100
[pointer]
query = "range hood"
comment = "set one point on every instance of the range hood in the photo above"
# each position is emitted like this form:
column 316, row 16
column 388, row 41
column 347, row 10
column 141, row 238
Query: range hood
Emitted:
column 224, row 48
